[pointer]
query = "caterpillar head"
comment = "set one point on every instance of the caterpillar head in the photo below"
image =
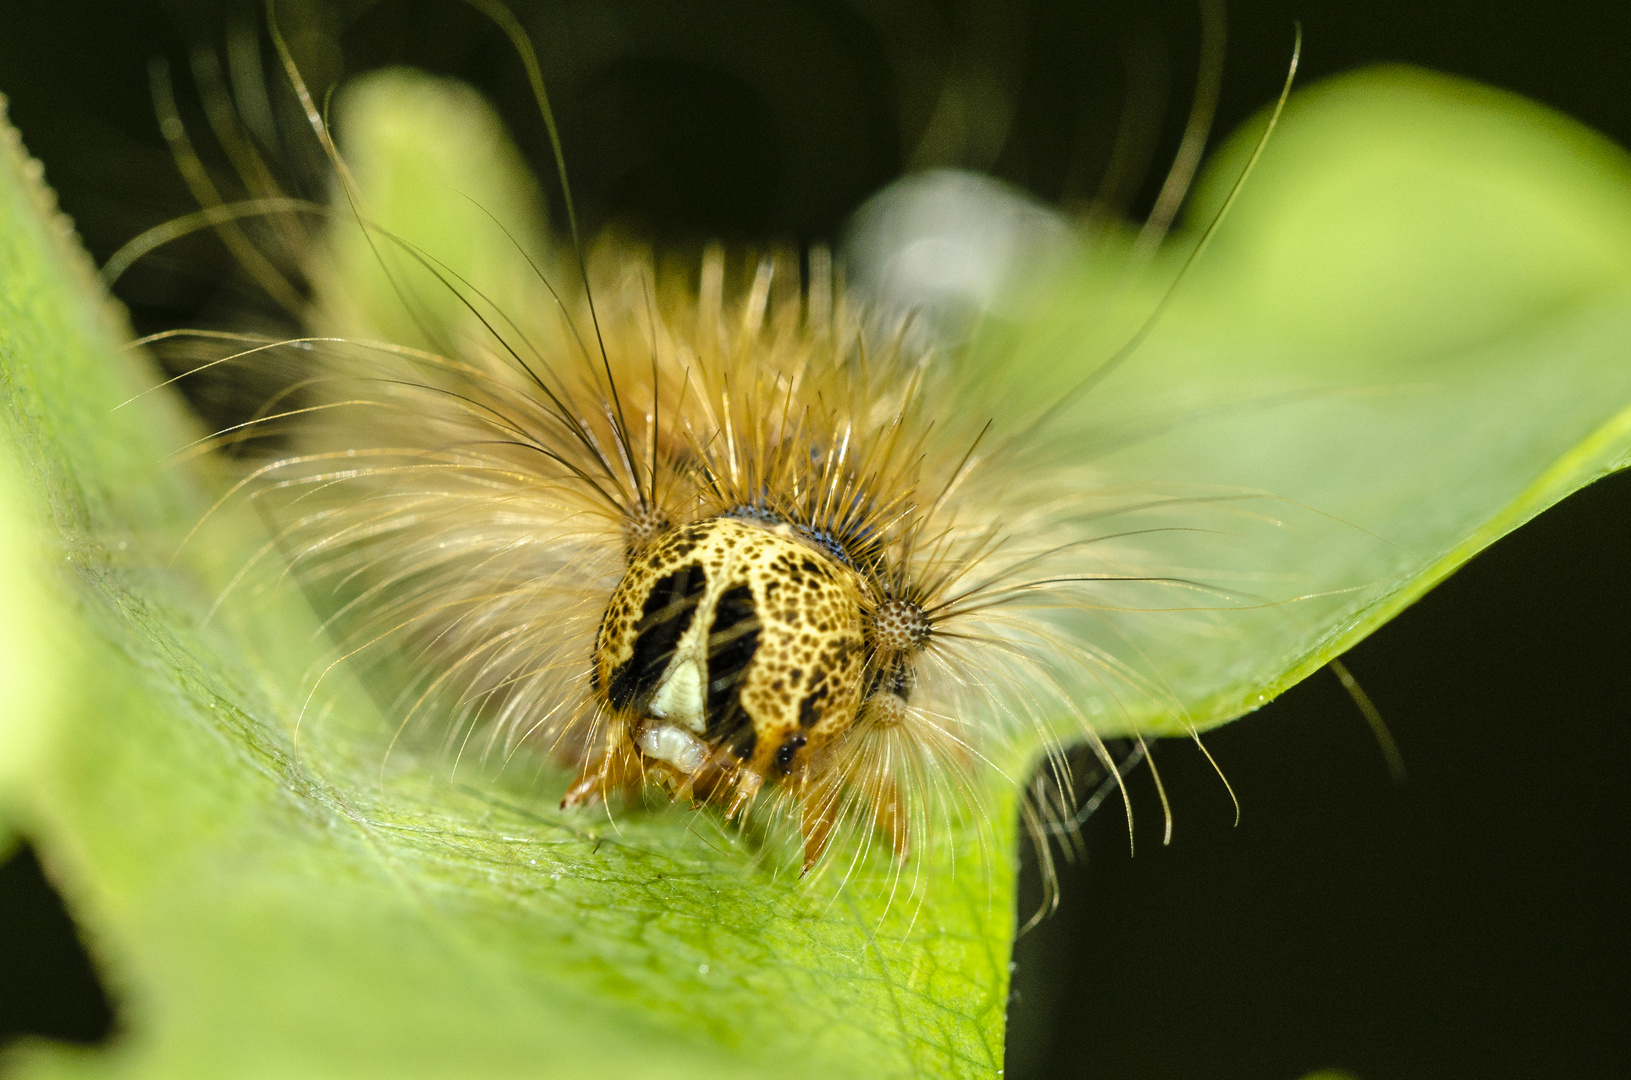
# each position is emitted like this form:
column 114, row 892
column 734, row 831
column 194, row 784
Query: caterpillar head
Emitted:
column 737, row 645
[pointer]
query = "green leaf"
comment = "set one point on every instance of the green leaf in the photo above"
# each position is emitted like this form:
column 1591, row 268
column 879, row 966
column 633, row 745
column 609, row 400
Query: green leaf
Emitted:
column 447, row 199
column 1410, row 337
column 1411, row 334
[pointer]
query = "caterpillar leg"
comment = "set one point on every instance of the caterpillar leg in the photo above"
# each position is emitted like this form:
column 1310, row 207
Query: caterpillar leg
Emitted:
column 748, row 783
column 616, row 772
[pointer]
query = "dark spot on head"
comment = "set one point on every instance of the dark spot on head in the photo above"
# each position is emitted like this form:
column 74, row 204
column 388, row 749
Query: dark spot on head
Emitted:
column 785, row 752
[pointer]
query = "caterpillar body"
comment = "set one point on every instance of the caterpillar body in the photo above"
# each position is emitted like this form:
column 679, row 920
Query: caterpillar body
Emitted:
column 711, row 527
column 723, row 547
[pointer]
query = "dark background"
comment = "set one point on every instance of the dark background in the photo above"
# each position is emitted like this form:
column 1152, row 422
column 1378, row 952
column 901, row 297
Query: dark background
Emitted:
column 1469, row 923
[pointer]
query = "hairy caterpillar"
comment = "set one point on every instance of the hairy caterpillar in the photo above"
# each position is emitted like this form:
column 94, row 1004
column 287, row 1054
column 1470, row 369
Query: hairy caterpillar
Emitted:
column 712, row 527
column 1185, row 918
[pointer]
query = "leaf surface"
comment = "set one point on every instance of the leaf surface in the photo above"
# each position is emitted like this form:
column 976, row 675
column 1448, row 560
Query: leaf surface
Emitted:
column 1411, row 334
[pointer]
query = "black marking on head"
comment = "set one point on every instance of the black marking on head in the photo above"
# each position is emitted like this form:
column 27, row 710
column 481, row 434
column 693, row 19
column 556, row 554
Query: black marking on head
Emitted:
column 785, row 752
column 810, row 707
column 685, row 542
column 664, row 618
column 733, row 638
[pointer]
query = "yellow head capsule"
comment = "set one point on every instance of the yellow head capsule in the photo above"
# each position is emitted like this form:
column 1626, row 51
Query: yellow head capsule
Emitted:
column 737, row 644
